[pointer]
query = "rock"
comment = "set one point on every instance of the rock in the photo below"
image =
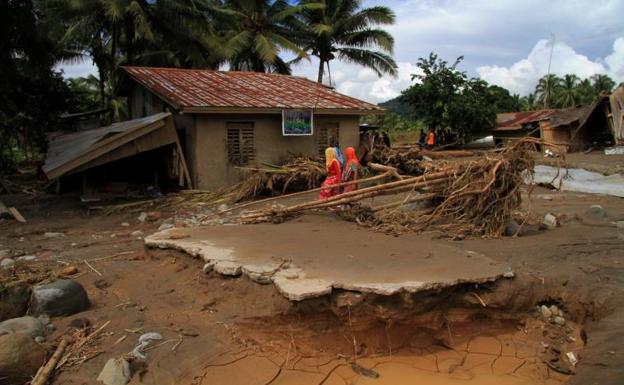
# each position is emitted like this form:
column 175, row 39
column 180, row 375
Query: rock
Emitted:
column 69, row 270
column 509, row 274
column 40, row 339
column 20, row 358
column 546, row 313
column 115, row 372
column 25, row 325
column 61, row 297
column 53, row 235
column 559, row 320
column 44, row 319
column 14, row 301
column 512, row 228
column 142, row 217
column 137, row 233
column 555, row 310
column 165, row 226
column 227, row 268
column 596, row 212
column 125, row 224
column 7, row 253
column 261, row 273
column 153, row 216
column 550, row 221
column 208, row 267
column 27, row 258
column 7, row 263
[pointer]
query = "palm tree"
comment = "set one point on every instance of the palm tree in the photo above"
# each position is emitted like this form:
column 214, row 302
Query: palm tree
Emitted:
column 602, row 83
column 258, row 31
column 586, row 92
column 568, row 91
column 547, row 88
column 345, row 31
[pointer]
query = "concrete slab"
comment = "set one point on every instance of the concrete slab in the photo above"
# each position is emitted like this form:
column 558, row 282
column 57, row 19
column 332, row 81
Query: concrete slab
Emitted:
column 311, row 255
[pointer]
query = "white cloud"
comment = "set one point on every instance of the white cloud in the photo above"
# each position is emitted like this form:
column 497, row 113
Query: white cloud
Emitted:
column 522, row 76
column 73, row 70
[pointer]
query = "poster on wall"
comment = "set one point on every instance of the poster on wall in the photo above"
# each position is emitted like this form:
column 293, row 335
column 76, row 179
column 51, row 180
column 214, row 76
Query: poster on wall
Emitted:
column 297, row 122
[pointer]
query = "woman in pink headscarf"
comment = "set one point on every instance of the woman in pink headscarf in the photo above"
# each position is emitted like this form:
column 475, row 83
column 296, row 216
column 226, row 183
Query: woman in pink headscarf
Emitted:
column 351, row 170
column 334, row 175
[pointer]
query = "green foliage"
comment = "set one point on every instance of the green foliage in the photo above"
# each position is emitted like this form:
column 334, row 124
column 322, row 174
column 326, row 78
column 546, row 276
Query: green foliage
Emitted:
column 552, row 91
column 443, row 97
column 31, row 94
column 342, row 29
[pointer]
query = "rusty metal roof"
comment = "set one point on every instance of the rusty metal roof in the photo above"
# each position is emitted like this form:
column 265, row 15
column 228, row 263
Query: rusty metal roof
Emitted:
column 197, row 90
column 511, row 121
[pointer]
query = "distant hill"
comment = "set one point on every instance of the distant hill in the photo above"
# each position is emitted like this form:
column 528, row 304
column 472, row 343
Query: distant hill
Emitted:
column 395, row 105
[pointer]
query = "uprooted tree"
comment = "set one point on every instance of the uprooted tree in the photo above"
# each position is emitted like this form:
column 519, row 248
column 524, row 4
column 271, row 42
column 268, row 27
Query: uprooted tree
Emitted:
column 444, row 97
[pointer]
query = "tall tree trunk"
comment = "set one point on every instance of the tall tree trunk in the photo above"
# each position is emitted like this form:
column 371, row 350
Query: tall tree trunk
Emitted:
column 320, row 70
column 102, row 92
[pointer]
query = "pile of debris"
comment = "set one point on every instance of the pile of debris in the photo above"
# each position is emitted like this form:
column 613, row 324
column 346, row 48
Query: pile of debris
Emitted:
column 476, row 197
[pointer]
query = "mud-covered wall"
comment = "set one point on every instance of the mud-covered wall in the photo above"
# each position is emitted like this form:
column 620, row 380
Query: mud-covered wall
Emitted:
column 207, row 144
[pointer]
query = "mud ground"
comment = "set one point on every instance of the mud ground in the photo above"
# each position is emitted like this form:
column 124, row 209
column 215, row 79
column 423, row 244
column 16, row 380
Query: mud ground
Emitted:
column 232, row 330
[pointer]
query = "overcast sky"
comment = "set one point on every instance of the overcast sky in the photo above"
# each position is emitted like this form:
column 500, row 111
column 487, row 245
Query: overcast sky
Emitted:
column 505, row 42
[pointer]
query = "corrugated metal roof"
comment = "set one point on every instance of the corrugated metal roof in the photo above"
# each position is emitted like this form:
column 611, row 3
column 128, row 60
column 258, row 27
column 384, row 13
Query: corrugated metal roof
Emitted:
column 64, row 149
column 196, row 88
column 511, row 121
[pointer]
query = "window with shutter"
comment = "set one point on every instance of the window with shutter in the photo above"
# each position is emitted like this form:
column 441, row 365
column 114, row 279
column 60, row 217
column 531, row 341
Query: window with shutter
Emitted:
column 328, row 135
column 240, row 143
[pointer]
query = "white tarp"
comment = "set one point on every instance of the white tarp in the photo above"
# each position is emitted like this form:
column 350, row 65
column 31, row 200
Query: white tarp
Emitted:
column 580, row 180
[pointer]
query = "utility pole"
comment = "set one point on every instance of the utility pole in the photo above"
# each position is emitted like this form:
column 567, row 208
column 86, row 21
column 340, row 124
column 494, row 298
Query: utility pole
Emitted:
column 547, row 90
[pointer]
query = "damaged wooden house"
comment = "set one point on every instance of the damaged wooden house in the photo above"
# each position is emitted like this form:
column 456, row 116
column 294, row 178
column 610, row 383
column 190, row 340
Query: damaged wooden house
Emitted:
column 197, row 128
column 565, row 130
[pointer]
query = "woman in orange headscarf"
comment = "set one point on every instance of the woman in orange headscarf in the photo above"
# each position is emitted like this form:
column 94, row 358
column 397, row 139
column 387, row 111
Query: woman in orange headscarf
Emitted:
column 334, row 175
column 352, row 169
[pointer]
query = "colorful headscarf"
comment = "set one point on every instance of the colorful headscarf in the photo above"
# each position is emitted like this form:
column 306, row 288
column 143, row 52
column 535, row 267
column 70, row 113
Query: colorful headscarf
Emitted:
column 351, row 157
column 339, row 157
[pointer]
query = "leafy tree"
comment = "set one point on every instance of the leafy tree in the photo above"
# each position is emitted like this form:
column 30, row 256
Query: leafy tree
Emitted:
column 343, row 30
column 31, row 94
column 529, row 102
column 602, row 83
column 546, row 90
column 503, row 100
column 257, row 32
column 568, row 91
column 444, row 97
column 586, row 92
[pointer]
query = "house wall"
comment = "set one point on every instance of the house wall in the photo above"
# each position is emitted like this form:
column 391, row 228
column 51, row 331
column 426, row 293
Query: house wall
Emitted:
column 207, row 151
column 557, row 139
column 144, row 103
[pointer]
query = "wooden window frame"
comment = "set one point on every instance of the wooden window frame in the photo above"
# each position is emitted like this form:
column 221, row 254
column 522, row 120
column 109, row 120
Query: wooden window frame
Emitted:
column 240, row 142
column 323, row 138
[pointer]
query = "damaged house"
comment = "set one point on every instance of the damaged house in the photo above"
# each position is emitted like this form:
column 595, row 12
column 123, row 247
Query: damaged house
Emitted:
column 200, row 128
column 564, row 130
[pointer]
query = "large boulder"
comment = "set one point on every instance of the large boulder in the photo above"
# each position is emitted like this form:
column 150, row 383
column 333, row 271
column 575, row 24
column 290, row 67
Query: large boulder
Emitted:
column 25, row 325
column 115, row 372
column 20, row 358
column 14, row 301
column 61, row 297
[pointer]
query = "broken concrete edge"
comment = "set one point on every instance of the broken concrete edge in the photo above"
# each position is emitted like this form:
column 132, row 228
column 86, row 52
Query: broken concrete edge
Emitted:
column 289, row 279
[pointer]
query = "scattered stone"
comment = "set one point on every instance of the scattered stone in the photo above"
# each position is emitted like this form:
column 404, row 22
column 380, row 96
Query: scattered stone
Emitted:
column 101, row 284
column 619, row 224
column 40, row 339
column 153, row 216
column 74, row 244
column 165, row 226
column 546, row 313
column 228, row 268
column 53, row 235
column 142, row 217
column 125, row 224
column 509, row 274
column 27, row 258
column 14, row 301
column 61, row 297
column 550, row 221
column 512, row 228
column 69, row 270
column 208, row 267
column 555, row 310
column 25, row 325
column 559, row 320
column 188, row 332
column 596, row 212
column 20, row 358
column 115, row 372
column 137, row 233
column 7, row 263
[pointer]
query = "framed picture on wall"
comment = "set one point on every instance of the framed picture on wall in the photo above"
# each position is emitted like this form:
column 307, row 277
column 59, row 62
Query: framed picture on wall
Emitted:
column 297, row 122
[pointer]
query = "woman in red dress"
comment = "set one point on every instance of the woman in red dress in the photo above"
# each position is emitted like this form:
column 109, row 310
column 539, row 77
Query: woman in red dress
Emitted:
column 334, row 175
column 351, row 170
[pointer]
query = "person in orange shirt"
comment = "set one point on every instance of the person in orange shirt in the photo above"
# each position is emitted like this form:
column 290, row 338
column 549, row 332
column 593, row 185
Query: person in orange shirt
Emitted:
column 430, row 138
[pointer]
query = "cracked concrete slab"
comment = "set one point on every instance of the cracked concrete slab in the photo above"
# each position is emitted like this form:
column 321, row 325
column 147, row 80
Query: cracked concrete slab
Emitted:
column 311, row 255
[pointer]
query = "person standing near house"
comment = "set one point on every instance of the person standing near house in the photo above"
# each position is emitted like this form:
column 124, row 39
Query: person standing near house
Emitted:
column 334, row 175
column 351, row 170
column 422, row 138
column 431, row 138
